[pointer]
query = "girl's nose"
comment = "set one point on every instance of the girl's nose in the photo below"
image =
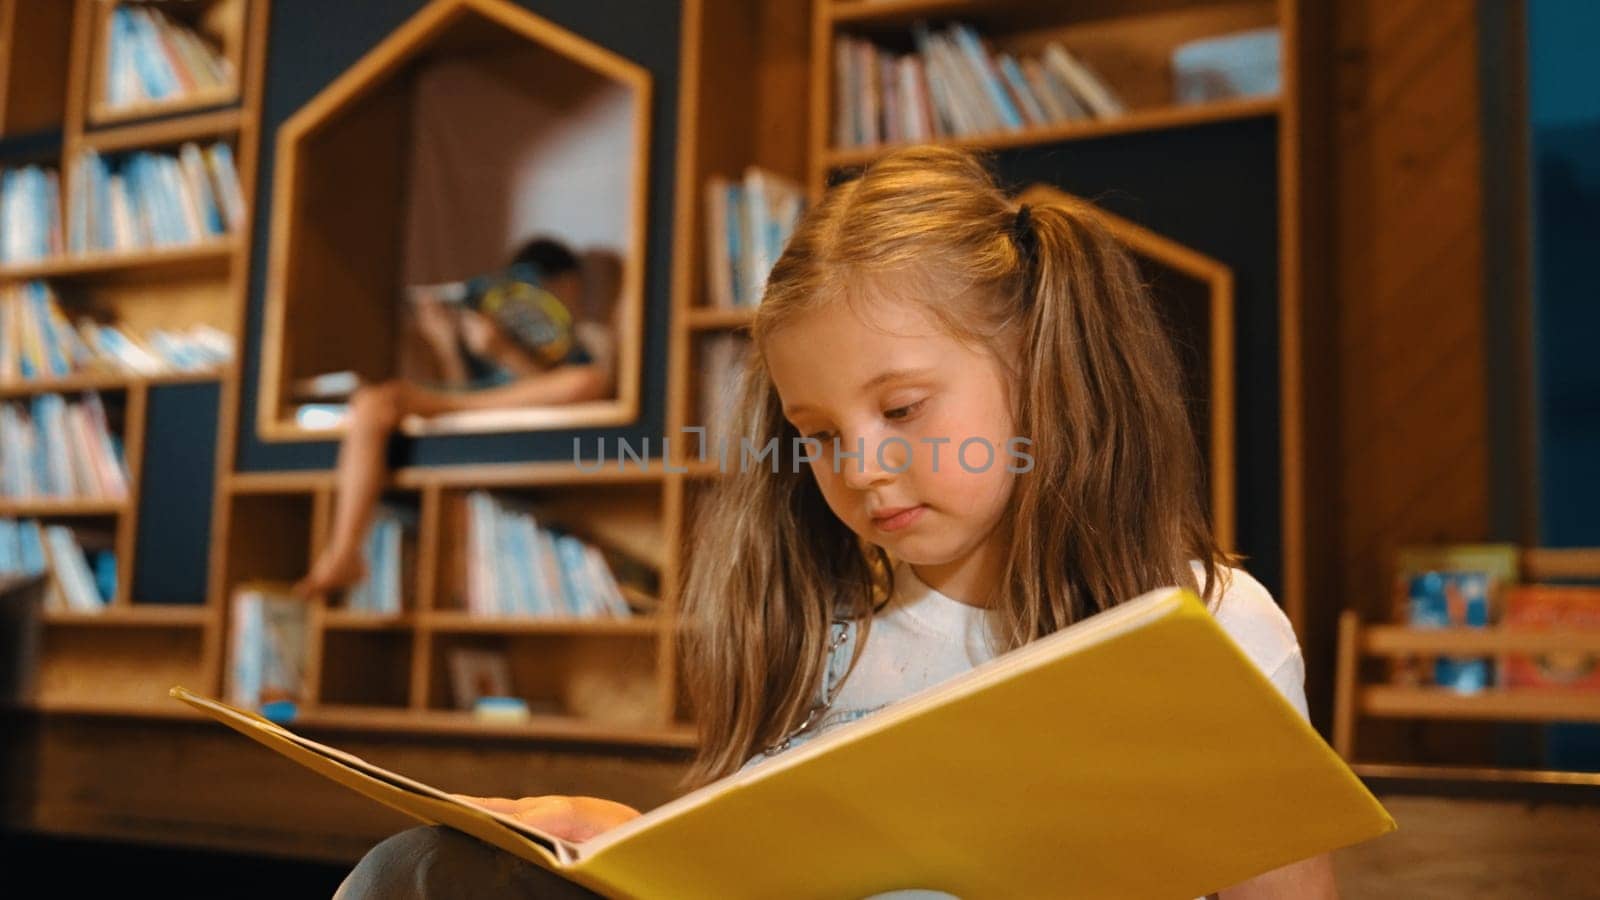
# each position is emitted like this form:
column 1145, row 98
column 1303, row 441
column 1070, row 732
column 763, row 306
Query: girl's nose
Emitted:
column 865, row 461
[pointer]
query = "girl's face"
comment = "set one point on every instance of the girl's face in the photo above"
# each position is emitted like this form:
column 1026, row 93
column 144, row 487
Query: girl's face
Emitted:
column 931, row 420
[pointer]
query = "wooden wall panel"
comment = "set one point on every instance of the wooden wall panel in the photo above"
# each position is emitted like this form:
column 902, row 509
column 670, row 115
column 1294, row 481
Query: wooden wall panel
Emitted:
column 1408, row 286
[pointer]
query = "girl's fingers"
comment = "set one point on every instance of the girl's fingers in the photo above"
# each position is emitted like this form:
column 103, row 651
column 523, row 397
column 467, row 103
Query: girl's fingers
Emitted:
column 496, row 804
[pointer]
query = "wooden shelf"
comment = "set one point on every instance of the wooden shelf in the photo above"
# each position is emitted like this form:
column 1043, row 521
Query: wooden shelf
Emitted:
column 1133, row 122
column 1394, row 639
column 50, row 508
column 140, row 615
column 359, row 620
column 706, row 318
column 1522, row 705
column 433, row 723
column 90, row 707
column 166, row 132
column 279, row 482
column 901, row 12
column 884, row 14
column 209, row 257
column 102, row 381
column 101, row 114
column 1409, row 772
column 467, row 623
column 449, row 722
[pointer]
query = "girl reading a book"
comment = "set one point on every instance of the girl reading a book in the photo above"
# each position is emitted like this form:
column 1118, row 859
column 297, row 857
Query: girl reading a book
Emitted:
column 481, row 365
column 868, row 566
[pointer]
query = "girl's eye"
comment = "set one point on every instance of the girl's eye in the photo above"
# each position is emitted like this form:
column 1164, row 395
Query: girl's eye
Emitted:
column 900, row 412
column 822, row 436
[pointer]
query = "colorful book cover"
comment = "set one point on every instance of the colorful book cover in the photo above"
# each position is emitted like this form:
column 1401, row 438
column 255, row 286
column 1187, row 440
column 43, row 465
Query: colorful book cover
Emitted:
column 1453, row 600
column 1545, row 607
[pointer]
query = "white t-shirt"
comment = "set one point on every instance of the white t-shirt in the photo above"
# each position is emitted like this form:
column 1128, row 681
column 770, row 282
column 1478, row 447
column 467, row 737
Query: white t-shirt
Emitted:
column 923, row 637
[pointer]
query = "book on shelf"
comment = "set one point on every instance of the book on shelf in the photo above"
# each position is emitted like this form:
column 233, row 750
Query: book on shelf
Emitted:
column 57, row 449
column 1241, row 64
column 1218, row 777
column 30, row 218
column 748, row 224
column 1450, row 585
column 82, row 571
column 1552, row 607
column 328, row 386
column 519, row 568
column 387, row 564
column 143, row 199
column 955, row 84
column 269, row 648
column 37, row 341
column 151, row 56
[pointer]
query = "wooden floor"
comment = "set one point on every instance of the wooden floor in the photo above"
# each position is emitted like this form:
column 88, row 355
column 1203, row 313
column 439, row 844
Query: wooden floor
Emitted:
column 1467, row 848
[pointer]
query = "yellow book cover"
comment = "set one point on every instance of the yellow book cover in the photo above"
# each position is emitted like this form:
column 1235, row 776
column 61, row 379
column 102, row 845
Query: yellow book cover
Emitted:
column 1138, row 753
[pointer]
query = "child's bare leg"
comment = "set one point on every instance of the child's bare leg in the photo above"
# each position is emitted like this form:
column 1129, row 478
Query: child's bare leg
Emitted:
column 375, row 412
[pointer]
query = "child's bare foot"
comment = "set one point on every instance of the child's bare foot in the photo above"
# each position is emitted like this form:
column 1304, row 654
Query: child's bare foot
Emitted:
column 332, row 571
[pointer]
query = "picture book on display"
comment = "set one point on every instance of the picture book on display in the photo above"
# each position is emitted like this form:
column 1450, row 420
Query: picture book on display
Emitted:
column 1138, row 753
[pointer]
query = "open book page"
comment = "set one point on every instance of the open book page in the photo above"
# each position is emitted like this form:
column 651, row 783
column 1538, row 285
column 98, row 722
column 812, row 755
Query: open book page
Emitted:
column 557, row 851
column 1108, row 624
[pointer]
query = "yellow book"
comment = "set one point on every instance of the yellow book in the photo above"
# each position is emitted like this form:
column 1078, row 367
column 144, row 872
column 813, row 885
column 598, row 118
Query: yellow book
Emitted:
column 1138, row 753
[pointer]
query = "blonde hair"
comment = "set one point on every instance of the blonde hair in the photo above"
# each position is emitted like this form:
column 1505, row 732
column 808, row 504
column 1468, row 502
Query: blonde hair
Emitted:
column 1112, row 507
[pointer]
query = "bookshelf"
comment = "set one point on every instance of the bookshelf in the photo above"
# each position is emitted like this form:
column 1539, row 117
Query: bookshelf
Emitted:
column 113, row 660
column 598, row 677
column 1367, row 700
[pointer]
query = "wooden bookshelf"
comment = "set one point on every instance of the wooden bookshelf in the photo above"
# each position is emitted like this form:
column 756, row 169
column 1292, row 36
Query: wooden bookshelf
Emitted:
column 119, row 660
column 1362, row 696
column 389, row 671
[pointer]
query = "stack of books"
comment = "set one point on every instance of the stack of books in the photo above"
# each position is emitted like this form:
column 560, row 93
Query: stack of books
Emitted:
column 37, row 341
column 955, row 86
column 152, row 57
column 748, row 223
column 52, row 448
column 142, row 199
column 30, row 218
column 515, row 567
column 83, row 580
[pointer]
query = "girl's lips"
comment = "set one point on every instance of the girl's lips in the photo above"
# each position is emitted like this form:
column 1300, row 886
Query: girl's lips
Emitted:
column 899, row 520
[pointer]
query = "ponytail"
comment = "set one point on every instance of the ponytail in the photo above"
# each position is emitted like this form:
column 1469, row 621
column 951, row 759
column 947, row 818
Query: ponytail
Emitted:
column 1118, row 466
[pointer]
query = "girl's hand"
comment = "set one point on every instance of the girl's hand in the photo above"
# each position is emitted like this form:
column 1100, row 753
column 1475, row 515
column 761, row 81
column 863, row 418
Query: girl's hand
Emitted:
column 570, row 818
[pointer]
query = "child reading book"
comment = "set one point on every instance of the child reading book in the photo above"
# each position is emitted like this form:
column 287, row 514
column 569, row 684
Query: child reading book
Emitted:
column 993, row 447
column 482, row 365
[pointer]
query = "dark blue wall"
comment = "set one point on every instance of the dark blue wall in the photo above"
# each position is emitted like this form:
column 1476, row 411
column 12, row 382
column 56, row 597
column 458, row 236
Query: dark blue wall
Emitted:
column 1564, row 117
column 1564, row 151
column 1215, row 189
